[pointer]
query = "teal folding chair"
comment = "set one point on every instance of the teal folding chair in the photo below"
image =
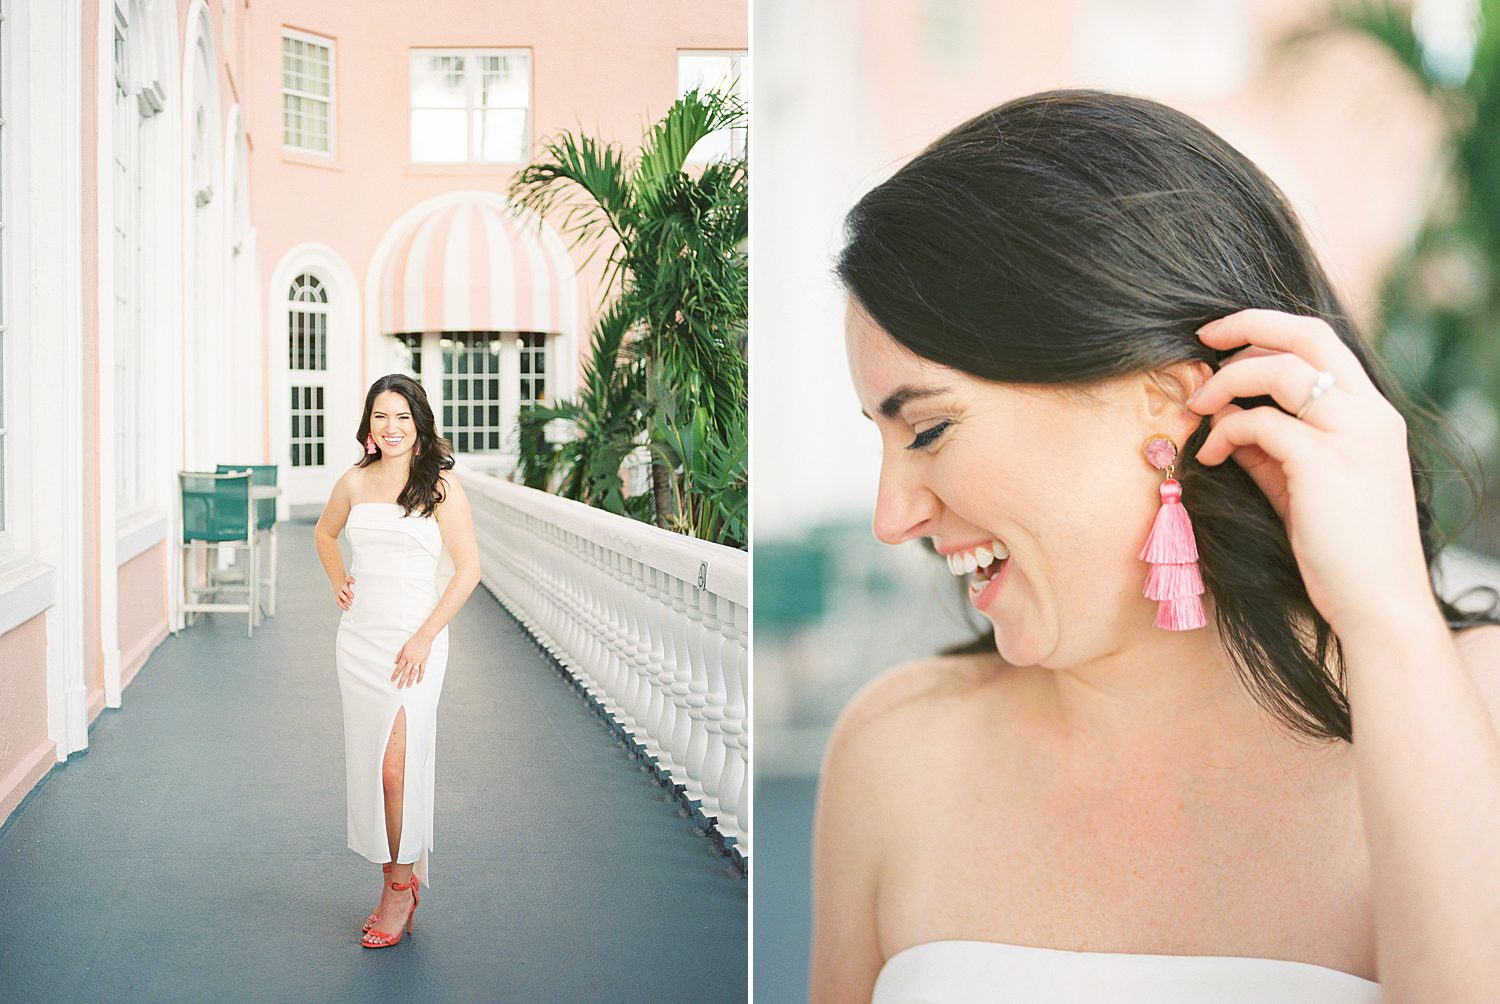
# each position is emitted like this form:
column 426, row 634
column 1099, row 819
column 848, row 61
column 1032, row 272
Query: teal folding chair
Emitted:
column 217, row 512
column 265, row 528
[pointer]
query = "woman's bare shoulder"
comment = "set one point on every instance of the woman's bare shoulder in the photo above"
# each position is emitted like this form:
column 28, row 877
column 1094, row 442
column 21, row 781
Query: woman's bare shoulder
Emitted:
column 890, row 741
column 352, row 480
column 1479, row 651
column 908, row 712
column 351, row 486
column 453, row 499
column 915, row 690
column 346, row 491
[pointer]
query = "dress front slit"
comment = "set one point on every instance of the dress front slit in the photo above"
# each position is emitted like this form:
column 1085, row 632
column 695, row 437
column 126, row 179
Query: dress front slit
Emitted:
column 395, row 571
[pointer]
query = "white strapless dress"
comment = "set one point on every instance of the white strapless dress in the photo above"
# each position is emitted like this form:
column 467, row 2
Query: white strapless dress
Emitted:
column 396, row 585
column 987, row 972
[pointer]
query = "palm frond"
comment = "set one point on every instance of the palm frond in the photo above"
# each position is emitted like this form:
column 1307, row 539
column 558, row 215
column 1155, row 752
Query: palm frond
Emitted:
column 585, row 180
column 677, row 245
column 693, row 116
column 605, row 417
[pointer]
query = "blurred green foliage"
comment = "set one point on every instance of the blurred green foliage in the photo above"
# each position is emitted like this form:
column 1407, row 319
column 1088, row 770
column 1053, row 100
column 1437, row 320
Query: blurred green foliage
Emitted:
column 1440, row 301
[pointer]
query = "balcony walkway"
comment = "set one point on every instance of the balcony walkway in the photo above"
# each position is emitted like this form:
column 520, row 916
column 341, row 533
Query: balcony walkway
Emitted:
column 197, row 850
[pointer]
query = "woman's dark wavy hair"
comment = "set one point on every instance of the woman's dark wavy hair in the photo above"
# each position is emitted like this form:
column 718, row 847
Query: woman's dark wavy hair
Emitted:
column 424, row 488
column 1074, row 236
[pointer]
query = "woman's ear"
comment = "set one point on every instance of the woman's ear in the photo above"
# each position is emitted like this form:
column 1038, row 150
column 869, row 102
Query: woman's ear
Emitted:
column 1194, row 374
column 1166, row 392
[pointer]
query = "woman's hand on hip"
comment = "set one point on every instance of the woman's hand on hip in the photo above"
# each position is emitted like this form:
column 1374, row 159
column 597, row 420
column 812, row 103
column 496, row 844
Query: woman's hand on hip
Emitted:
column 411, row 661
column 344, row 594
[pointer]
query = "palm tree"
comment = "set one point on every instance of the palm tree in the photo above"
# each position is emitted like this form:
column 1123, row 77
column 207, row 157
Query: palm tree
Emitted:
column 1440, row 301
column 676, row 267
column 603, row 421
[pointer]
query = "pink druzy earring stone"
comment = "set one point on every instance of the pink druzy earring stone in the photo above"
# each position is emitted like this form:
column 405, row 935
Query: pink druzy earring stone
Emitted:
column 1171, row 550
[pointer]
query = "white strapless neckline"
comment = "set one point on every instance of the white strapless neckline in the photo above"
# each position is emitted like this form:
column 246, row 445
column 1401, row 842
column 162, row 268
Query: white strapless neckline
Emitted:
column 358, row 504
column 991, row 972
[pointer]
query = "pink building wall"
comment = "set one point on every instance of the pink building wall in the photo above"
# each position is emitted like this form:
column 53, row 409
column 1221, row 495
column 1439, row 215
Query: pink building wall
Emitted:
column 143, row 607
column 26, row 753
column 609, row 81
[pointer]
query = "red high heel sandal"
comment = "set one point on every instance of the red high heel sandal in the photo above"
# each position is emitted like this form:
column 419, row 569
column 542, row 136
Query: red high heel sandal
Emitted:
column 379, row 939
column 370, row 920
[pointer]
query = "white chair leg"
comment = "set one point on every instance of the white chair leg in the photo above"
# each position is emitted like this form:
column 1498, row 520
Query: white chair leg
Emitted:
column 191, row 580
column 252, row 590
column 182, row 564
column 272, row 607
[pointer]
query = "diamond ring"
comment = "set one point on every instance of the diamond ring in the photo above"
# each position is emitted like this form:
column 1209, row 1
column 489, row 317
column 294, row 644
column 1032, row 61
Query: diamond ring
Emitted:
column 1324, row 381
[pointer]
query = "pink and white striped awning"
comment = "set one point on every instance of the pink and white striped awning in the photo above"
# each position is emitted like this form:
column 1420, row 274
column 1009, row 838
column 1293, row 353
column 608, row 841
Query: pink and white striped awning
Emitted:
column 475, row 266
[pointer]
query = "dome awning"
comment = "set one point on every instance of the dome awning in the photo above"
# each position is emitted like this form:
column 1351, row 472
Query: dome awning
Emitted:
column 477, row 266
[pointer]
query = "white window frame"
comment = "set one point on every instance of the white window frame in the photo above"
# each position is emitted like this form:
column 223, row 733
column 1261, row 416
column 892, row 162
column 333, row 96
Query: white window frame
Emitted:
column 313, row 377
column 7, row 289
column 433, row 375
column 471, row 88
column 332, row 99
column 740, row 72
column 146, row 71
column 128, row 277
column 527, row 351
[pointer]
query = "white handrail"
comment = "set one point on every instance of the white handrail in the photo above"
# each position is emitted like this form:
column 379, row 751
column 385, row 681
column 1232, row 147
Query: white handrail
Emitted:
column 653, row 625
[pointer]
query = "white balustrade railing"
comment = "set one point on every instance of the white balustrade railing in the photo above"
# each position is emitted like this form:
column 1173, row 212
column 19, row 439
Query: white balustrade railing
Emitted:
column 652, row 624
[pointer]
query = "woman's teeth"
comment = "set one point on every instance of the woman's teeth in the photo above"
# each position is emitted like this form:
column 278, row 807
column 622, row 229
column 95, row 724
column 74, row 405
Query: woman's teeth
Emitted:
column 981, row 557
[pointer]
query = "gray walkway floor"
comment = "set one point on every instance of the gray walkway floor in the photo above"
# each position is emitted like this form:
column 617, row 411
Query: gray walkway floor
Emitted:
column 783, row 886
column 197, row 850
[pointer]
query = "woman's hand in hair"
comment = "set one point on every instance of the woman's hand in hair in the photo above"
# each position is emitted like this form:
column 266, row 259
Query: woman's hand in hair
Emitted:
column 1340, row 477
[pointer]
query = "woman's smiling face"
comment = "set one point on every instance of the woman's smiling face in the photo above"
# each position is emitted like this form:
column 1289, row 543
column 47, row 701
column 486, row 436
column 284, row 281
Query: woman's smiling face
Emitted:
column 1061, row 483
column 391, row 423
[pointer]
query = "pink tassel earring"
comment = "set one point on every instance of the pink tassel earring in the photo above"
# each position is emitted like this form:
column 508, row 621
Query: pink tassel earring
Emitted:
column 1171, row 549
column 369, row 444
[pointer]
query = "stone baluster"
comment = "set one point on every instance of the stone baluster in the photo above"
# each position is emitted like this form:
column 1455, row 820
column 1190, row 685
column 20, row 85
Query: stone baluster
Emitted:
column 629, row 612
column 732, row 624
column 713, row 704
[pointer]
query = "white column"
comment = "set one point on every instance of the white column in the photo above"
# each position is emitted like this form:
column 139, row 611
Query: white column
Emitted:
column 108, row 568
column 51, row 91
column 510, row 390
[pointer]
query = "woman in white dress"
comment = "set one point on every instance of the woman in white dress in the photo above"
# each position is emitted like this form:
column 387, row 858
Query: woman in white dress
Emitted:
column 1141, row 783
column 401, row 507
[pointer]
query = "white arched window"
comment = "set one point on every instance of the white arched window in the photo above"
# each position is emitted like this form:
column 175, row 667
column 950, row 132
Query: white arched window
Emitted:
column 307, row 367
column 204, row 129
column 138, row 96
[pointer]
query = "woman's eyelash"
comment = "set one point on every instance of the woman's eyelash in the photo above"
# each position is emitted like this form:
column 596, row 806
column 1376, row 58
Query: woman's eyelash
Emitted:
column 927, row 437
